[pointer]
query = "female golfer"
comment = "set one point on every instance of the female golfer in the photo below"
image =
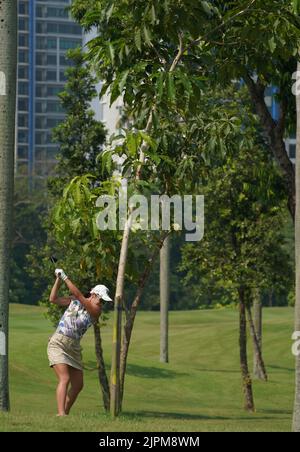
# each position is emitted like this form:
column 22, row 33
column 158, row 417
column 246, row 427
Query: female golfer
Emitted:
column 64, row 351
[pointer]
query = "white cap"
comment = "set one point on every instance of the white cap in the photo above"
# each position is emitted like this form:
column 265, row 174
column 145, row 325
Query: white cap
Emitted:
column 102, row 292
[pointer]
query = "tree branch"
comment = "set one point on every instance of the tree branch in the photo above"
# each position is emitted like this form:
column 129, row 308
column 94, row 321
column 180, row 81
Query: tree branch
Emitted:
column 275, row 133
column 180, row 53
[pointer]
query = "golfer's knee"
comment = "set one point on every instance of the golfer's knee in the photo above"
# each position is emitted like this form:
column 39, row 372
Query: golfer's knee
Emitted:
column 79, row 387
column 64, row 380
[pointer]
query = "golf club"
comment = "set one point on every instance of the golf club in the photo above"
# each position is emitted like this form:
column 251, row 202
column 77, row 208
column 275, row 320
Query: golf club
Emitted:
column 54, row 261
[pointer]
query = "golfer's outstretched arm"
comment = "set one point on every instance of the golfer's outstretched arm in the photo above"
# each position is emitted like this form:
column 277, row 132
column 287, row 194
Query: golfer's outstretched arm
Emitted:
column 61, row 301
column 75, row 291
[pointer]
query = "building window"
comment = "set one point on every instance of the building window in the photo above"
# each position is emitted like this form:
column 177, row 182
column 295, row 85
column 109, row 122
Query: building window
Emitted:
column 292, row 151
column 23, row 152
column 23, row 136
column 54, row 107
column 53, row 91
column 49, row 137
column 23, row 88
column 52, row 27
column 40, row 59
column 23, row 105
column 40, row 122
column 51, row 76
column 40, row 11
column 23, row 40
column 40, row 75
column 62, row 76
column 69, row 29
column 66, row 44
column 41, row 28
column 23, row 8
column 64, row 61
column 40, row 107
column 40, row 91
column 23, row 24
column 52, row 153
column 22, row 121
column 40, row 153
column 51, row 60
column 57, row 12
column 40, row 138
column 40, row 43
column 23, row 72
column 23, row 56
column 53, row 122
column 51, row 43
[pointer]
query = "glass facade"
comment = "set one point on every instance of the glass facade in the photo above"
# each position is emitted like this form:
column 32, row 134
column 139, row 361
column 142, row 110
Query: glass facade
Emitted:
column 46, row 32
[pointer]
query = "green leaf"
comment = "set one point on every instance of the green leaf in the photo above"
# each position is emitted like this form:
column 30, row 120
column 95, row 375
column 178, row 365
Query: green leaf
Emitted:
column 153, row 15
column 296, row 6
column 123, row 81
column 132, row 144
column 57, row 212
column 77, row 194
column 127, row 50
column 109, row 12
column 160, row 85
column 149, row 140
column 138, row 40
column 115, row 92
column 147, row 35
column 171, row 87
column 95, row 230
column 272, row 44
column 206, row 8
column 111, row 52
column 104, row 90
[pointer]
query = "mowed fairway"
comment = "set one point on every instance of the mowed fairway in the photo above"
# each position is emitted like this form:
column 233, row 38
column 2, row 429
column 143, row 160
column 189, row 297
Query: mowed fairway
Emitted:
column 200, row 390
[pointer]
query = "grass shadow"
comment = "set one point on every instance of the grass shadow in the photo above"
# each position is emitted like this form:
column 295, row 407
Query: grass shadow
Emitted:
column 196, row 417
column 287, row 369
column 221, row 371
column 141, row 371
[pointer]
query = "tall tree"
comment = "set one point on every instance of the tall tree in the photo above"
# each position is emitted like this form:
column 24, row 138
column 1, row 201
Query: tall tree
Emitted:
column 296, row 418
column 257, row 321
column 8, row 67
column 164, row 300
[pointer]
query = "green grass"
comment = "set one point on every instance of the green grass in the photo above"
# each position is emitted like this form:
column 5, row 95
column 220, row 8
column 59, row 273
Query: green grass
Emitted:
column 200, row 390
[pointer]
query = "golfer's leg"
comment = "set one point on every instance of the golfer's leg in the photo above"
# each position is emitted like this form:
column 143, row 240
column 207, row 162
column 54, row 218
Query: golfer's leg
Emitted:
column 76, row 377
column 63, row 375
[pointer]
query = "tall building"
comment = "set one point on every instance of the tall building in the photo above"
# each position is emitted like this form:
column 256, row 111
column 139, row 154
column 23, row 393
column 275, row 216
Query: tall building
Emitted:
column 46, row 32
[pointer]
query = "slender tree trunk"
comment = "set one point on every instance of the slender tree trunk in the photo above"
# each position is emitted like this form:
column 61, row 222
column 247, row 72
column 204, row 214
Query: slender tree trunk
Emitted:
column 247, row 383
column 8, row 67
column 257, row 321
column 164, row 300
column 119, row 298
column 130, row 317
column 115, row 401
column 258, row 359
column 103, row 380
column 296, row 419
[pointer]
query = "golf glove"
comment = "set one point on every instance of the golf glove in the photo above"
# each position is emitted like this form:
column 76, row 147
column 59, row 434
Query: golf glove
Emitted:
column 61, row 274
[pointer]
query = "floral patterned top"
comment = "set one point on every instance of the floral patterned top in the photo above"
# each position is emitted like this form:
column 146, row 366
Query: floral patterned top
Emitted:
column 75, row 321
